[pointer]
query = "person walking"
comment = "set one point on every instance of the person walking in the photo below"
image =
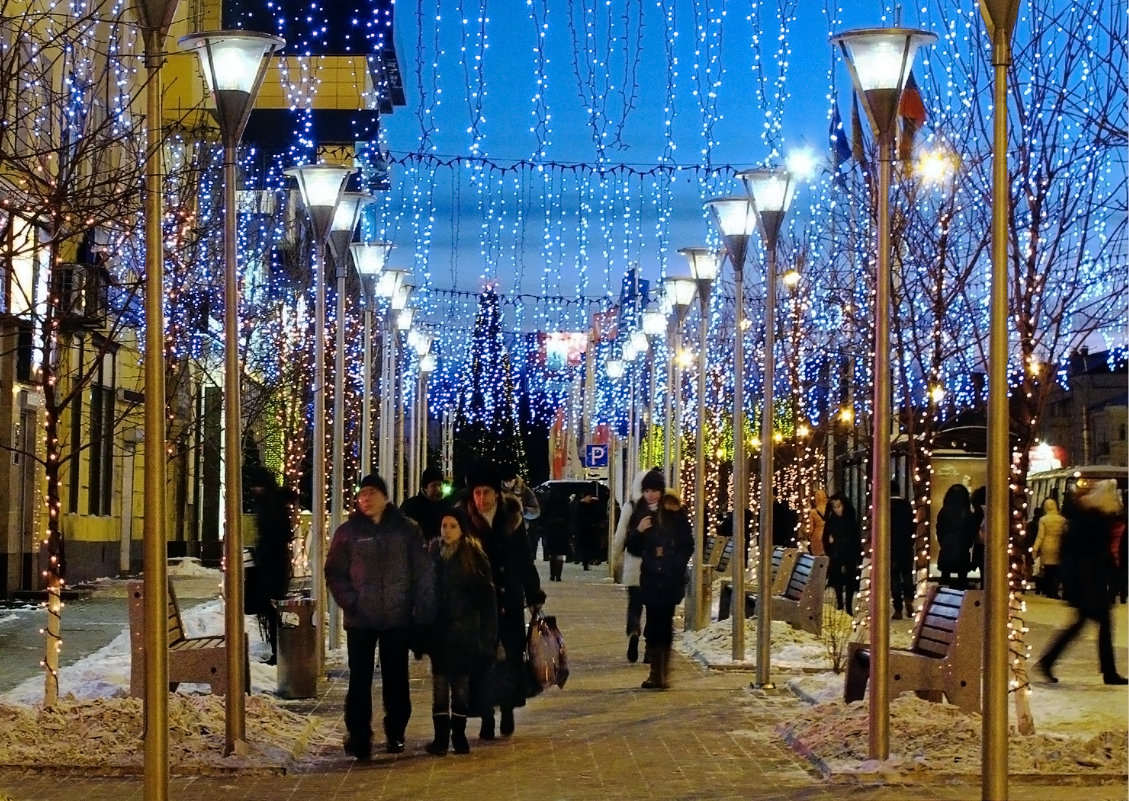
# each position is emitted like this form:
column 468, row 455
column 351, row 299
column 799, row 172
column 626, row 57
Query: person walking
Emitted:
column 380, row 574
column 497, row 521
column 1048, row 547
column 426, row 507
column 954, row 521
column 842, row 543
column 274, row 533
column 1087, row 562
column 784, row 522
column 817, row 516
column 659, row 533
column 466, row 629
column 555, row 528
column 627, row 567
column 902, row 530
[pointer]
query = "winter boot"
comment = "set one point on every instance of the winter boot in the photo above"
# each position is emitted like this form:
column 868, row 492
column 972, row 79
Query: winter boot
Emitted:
column 486, row 730
column 438, row 746
column 506, row 724
column 666, row 661
column 633, row 648
column 458, row 734
column 655, row 680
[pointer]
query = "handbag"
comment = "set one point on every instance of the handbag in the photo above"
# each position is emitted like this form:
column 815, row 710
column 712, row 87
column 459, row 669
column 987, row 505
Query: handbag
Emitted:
column 546, row 655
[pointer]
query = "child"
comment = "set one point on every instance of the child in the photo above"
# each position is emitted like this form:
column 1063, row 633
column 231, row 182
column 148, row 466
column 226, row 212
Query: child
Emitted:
column 466, row 629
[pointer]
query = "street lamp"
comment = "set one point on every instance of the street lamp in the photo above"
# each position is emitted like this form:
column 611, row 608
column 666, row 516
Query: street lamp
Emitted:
column 771, row 192
column 420, row 342
column 320, row 186
column 654, row 327
column 155, row 16
column 345, row 219
column 680, row 290
column 388, row 287
column 369, row 259
column 999, row 18
column 234, row 64
column 403, row 322
column 704, row 266
column 880, row 60
column 735, row 221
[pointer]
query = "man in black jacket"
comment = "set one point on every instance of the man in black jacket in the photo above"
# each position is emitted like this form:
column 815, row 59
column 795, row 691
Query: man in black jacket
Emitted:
column 380, row 574
column 901, row 551
column 426, row 507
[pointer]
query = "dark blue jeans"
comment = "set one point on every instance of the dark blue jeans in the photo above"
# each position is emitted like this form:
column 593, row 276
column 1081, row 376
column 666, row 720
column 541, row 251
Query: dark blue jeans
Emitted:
column 362, row 645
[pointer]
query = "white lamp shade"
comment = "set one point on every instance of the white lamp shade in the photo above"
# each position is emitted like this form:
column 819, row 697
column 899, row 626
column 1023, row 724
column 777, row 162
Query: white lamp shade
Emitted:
column 654, row 323
column 320, row 184
column 428, row 363
column 681, row 290
column 629, row 351
column 734, row 216
column 388, row 282
column 704, row 263
column 639, row 341
column 348, row 211
column 231, row 60
column 771, row 189
column 615, row 368
column 883, row 57
column 370, row 257
column 404, row 318
column 420, row 341
column 402, row 295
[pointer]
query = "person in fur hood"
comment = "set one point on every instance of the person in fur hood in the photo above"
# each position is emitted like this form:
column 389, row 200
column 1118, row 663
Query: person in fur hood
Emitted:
column 497, row 521
column 627, row 568
column 659, row 533
column 1087, row 563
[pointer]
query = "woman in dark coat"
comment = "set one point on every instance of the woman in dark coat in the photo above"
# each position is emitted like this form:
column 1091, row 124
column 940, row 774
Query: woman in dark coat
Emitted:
column 271, row 551
column 496, row 520
column 659, row 533
column 954, row 526
column 1087, row 562
column 842, row 543
column 466, row 629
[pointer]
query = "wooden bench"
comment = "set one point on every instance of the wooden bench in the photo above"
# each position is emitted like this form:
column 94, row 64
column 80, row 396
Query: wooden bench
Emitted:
column 945, row 658
column 783, row 560
column 198, row 660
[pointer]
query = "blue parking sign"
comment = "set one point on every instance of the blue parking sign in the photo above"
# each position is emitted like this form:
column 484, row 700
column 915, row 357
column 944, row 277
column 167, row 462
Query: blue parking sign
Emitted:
column 596, row 456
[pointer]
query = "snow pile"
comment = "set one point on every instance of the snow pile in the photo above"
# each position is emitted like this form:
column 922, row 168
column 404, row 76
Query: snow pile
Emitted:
column 926, row 736
column 106, row 733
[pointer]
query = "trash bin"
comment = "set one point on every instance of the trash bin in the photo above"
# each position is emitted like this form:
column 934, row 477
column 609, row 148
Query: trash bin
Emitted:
column 297, row 648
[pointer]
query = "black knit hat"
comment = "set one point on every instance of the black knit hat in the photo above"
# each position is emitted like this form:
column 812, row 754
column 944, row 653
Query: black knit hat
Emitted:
column 376, row 482
column 654, row 480
column 484, row 474
column 430, row 474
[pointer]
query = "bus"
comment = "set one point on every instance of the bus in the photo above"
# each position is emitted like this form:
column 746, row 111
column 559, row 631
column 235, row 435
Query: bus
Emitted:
column 1056, row 483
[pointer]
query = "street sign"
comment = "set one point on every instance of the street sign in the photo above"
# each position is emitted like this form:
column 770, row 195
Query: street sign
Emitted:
column 596, row 456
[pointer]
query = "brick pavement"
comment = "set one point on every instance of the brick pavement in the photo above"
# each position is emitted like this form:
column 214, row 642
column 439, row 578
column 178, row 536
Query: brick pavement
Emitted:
column 601, row 737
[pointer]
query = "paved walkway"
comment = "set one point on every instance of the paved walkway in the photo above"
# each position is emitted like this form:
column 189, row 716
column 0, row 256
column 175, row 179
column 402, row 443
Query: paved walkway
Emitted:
column 709, row 737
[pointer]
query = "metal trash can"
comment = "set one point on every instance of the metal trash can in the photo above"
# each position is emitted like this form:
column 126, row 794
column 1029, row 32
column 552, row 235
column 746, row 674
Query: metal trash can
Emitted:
column 297, row 648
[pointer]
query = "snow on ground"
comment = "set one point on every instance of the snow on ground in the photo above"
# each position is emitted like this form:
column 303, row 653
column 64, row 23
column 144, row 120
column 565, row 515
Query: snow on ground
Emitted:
column 1081, row 723
column 97, row 723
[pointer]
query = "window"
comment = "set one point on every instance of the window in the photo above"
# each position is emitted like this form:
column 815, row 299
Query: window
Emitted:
column 101, row 419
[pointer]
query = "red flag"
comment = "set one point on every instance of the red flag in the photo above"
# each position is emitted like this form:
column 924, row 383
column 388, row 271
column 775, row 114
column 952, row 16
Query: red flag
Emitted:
column 911, row 109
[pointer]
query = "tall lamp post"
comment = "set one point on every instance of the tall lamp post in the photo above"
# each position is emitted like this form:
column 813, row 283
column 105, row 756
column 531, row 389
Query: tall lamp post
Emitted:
column 420, row 341
column 155, row 16
column 654, row 326
column 369, row 258
column 770, row 191
column 234, row 64
column 345, row 218
column 999, row 18
column 735, row 221
column 321, row 188
column 704, row 266
column 680, row 290
column 615, row 369
column 404, row 317
column 427, row 364
column 880, row 60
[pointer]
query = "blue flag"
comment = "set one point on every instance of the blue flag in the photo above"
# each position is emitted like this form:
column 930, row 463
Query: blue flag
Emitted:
column 840, row 144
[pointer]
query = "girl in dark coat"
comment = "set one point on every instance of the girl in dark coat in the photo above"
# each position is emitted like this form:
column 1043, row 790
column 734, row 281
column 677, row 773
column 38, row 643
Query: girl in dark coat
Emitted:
column 954, row 526
column 659, row 533
column 842, row 543
column 466, row 629
column 496, row 520
column 272, row 552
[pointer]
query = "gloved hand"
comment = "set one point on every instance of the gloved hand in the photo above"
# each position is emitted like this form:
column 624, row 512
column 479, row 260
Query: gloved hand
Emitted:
column 500, row 654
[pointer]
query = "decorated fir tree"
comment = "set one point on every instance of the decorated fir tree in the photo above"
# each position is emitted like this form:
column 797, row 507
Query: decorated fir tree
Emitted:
column 487, row 424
